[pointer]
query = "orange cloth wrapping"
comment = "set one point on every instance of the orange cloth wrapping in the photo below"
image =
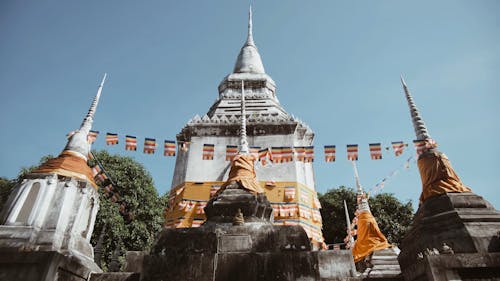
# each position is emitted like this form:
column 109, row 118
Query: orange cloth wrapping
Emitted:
column 243, row 172
column 438, row 177
column 370, row 238
column 69, row 165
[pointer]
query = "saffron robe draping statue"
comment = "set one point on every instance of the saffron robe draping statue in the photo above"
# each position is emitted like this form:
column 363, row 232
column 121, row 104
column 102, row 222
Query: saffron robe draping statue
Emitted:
column 369, row 239
column 243, row 172
column 438, row 176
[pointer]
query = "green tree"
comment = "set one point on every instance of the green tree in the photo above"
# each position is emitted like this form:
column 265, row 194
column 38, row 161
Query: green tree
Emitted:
column 141, row 218
column 6, row 186
column 393, row 217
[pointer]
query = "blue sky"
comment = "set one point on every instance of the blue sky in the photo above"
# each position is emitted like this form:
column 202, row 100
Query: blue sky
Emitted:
column 336, row 64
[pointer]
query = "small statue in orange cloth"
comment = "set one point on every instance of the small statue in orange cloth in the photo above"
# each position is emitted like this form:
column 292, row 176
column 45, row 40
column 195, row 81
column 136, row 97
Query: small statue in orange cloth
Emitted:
column 369, row 236
column 436, row 172
column 243, row 172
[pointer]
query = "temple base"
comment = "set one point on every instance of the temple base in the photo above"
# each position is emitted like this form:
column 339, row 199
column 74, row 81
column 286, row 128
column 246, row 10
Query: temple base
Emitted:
column 454, row 235
column 44, row 266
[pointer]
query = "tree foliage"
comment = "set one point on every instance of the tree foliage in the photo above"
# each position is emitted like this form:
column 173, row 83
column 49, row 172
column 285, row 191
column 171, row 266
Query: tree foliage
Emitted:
column 6, row 187
column 393, row 217
column 144, row 209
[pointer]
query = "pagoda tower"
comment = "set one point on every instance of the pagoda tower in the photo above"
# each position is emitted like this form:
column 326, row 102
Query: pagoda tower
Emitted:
column 48, row 219
column 455, row 233
column 289, row 185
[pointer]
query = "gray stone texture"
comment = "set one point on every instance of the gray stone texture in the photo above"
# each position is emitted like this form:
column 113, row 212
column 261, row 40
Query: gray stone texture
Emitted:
column 44, row 266
column 464, row 221
column 256, row 250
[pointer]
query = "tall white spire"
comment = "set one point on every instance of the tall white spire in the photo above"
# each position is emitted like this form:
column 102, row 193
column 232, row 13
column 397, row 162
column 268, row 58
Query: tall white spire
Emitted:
column 356, row 176
column 418, row 123
column 243, row 132
column 78, row 142
column 89, row 119
column 361, row 196
column 250, row 28
column 249, row 60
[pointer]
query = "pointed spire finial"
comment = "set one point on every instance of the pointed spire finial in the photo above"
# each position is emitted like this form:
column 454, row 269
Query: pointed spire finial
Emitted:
column 243, row 132
column 418, row 123
column 250, row 28
column 348, row 222
column 89, row 119
column 78, row 142
column 356, row 176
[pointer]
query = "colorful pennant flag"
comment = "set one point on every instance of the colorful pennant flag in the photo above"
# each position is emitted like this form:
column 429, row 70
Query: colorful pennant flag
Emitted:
column 309, row 154
column 96, row 170
column 130, row 143
column 263, row 154
column 111, row 139
column 286, row 154
column 276, row 154
column 254, row 150
column 169, row 148
column 375, row 151
column 290, row 193
column 213, row 190
column 149, row 145
column 108, row 188
column 352, row 152
column 208, row 152
column 231, row 152
column 92, row 136
column 300, row 153
column 101, row 177
column 398, row 147
column 330, row 153
column 419, row 146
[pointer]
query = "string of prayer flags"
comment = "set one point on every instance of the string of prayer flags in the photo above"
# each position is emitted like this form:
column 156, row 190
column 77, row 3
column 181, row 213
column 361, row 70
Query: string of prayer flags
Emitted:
column 111, row 139
column 208, row 152
column 130, row 143
column 169, row 148
column 289, row 193
column 92, row 136
column 276, row 154
column 330, row 153
column 398, row 147
column 149, row 145
column 419, row 146
column 286, row 154
column 254, row 150
column 300, row 153
column 309, row 154
column 375, row 151
column 263, row 153
column 352, row 152
column 231, row 151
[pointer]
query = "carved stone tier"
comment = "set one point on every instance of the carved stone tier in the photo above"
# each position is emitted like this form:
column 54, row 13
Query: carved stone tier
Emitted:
column 253, row 129
column 463, row 221
column 381, row 265
column 223, row 207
